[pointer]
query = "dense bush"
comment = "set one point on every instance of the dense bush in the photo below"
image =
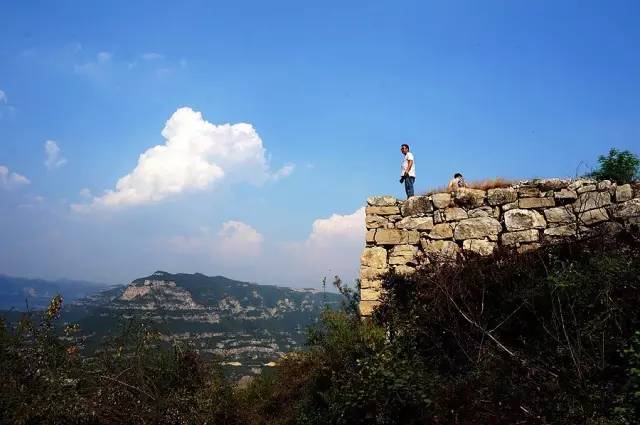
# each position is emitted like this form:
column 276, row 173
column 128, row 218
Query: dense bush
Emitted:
column 619, row 166
column 549, row 337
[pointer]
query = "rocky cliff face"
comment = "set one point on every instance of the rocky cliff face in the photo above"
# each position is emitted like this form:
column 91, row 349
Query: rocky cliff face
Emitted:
column 249, row 325
column 401, row 235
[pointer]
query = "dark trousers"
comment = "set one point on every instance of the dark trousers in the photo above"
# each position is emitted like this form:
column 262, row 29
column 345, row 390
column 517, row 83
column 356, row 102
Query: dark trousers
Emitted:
column 408, row 185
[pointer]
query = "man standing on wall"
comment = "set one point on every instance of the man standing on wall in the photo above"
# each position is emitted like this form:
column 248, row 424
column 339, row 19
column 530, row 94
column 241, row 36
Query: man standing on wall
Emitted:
column 408, row 170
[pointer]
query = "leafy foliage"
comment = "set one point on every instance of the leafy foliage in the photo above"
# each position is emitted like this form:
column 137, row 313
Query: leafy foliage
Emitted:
column 619, row 166
column 549, row 337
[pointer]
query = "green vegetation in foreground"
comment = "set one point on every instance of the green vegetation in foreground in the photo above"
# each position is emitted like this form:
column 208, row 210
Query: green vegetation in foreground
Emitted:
column 618, row 166
column 549, row 337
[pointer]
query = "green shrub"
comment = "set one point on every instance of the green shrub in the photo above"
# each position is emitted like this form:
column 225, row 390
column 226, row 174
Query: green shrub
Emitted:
column 619, row 166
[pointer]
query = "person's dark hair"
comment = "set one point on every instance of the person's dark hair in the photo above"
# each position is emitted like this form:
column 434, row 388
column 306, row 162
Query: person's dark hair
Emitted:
column 456, row 175
column 404, row 145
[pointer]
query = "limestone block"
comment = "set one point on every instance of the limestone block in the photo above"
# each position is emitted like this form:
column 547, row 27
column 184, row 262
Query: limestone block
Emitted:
column 441, row 200
column 372, row 275
column 479, row 246
column 581, row 182
column 375, row 257
column 478, row 228
column 482, row 212
column 382, row 210
column 591, row 200
column 370, row 236
column 510, row 206
column 396, row 237
column 469, row 198
column 440, row 250
column 593, row 216
column 604, row 185
column 441, row 231
column 560, row 215
column 501, row 196
column 417, row 206
column 415, row 223
column 370, row 283
column 402, row 254
column 367, row 307
column 382, row 201
column 528, row 191
column 512, row 238
column 455, row 214
column 394, row 218
column 438, row 216
column 566, row 195
column 370, row 294
column 536, row 203
column 519, row 219
column 624, row 193
column 552, row 184
column 564, row 231
column 404, row 269
column 627, row 209
column 586, row 188
column 375, row 221
column 528, row 247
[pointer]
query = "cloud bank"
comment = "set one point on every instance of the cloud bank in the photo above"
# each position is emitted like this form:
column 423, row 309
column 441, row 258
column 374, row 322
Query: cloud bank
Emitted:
column 9, row 179
column 196, row 155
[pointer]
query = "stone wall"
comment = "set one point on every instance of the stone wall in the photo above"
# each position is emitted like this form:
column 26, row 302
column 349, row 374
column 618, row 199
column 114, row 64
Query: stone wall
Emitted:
column 402, row 235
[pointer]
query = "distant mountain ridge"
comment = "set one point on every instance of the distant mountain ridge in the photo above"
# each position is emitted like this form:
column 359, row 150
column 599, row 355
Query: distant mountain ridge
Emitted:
column 21, row 293
column 247, row 324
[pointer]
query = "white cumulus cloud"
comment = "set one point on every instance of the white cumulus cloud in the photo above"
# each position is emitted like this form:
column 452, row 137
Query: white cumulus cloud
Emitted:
column 53, row 157
column 196, row 155
column 332, row 248
column 10, row 179
column 238, row 241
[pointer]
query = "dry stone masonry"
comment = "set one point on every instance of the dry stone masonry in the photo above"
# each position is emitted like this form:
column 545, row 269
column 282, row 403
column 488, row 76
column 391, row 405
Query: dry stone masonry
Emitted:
column 402, row 235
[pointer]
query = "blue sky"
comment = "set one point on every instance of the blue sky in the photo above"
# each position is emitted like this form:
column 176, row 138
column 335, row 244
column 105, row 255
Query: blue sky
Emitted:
column 494, row 88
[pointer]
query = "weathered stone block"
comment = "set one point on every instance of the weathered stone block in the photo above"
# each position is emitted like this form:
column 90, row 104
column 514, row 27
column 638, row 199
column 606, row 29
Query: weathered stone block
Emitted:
column 564, row 231
column 396, row 237
column 415, row 223
column 593, row 216
column 586, row 188
column 604, row 185
column 501, row 196
column 479, row 246
column 372, row 275
column 478, row 228
column 440, row 250
column 560, row 215
column 591, row 200
column 416, row 206
column 375, row 257
column 375, row 221
column 482, row 212
column 441, row 200
column 510, row 206
column 402, row 254
column 367, row 307
column 370, row 294
column 402, row 269
column 455, row 214
column 576, row 184
column 566, row 195
column 382, row 201
column 370, row 236
column 536, row 203
column 627, row 209
column 528, row 247
column 552, row 184
column 370, row 283
column 519, row 219
column 382, row 210
column 528, row 191
column 624, row 193
column 512, row 238
column 441, row 231
column 470, row 198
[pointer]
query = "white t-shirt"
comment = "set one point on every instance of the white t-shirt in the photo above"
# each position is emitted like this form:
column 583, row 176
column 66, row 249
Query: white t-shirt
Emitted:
column 405, row 165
